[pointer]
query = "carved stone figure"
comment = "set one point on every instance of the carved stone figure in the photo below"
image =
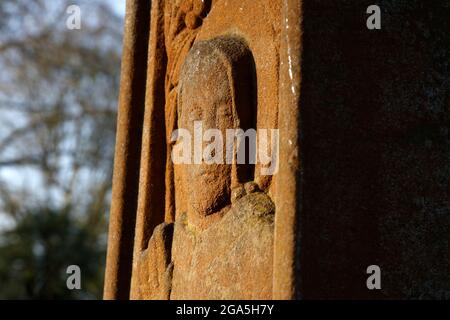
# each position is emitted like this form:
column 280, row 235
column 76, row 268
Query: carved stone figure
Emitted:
column 205, row 231
column 223, row 239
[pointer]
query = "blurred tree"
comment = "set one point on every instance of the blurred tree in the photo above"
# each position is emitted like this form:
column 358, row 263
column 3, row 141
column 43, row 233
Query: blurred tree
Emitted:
column 58, row 93
column 36, row 253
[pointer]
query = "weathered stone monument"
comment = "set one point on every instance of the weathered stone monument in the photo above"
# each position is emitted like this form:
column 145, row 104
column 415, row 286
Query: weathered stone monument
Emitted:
column 199, row 231
column 362, row 171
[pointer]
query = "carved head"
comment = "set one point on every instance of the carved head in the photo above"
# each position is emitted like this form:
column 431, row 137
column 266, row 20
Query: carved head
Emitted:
column 216, row 88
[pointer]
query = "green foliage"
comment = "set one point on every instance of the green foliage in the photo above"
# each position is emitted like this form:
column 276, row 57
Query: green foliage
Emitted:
column 36, row 253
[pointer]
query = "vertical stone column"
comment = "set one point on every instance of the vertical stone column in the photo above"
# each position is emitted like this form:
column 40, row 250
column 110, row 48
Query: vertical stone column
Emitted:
column 288, row 196
column 127, row 155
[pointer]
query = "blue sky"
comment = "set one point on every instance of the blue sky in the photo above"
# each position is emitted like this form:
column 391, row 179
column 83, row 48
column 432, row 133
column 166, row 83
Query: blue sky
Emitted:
column 118, row 5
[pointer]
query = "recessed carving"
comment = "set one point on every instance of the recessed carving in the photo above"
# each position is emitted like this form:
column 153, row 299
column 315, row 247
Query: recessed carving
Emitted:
column 223, row 240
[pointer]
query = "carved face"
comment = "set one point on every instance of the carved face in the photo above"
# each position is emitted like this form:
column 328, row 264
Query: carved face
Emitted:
column 205, row 96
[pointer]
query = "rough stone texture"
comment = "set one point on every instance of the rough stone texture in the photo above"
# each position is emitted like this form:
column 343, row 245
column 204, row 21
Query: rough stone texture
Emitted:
column 288, row 196
column 375, row 152
column 155, row 266
column 230, row 260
